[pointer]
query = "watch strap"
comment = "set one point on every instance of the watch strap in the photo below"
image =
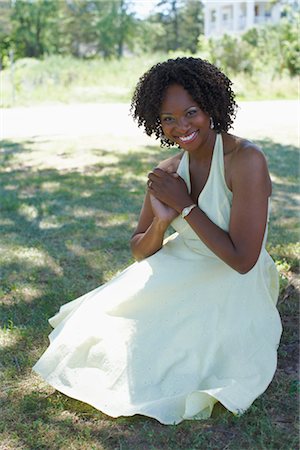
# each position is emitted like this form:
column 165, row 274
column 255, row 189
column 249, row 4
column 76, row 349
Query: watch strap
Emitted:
column 185, row 212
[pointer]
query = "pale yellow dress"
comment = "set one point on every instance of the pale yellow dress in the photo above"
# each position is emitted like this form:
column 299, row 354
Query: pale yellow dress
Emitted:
column 173, row 334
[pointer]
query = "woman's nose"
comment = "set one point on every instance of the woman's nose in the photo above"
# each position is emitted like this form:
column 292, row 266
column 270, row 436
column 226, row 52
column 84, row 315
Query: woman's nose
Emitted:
column 183, row 124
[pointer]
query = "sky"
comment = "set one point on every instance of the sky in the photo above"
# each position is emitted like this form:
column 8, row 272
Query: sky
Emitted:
column 142, row 8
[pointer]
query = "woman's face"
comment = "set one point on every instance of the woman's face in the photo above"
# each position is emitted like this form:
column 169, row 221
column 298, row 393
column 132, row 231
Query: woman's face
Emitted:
column 182, row 120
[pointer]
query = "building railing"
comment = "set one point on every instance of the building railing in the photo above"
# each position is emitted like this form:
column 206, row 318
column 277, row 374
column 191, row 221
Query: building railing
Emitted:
column 241, row 23
column 262, row 19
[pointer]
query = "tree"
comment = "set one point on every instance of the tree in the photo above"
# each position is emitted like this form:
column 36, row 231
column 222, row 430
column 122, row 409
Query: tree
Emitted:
column 35, row 27
column 98, row 27
column 232, row 54
column 182, row 21
column 167, row 14
column 192, row 25
column 78, row 28
column 5, row 31
column 115, row 27
column 126, row 27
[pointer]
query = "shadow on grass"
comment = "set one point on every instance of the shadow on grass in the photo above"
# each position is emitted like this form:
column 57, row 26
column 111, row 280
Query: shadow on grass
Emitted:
column 63, row 233
column 65, row 215
column 283, row 161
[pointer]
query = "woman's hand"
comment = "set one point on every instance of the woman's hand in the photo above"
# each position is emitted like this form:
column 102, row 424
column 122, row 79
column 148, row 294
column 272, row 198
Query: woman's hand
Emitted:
column 169, row 189
column 167, row 195
column 162, row 211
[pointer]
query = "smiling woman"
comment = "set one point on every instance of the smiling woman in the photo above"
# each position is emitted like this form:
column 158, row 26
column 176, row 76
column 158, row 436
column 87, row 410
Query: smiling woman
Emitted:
column 210, row 88
column 186, row 124
column 194, row 321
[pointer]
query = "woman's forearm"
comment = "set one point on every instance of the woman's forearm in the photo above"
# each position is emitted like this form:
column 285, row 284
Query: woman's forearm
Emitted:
column 219, row 241
column 147, row 243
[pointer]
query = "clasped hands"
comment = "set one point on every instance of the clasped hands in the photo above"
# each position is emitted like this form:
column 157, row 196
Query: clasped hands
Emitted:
column 168, row 193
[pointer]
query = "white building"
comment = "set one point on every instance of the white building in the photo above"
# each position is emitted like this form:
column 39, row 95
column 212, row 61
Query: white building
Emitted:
column 235, row 17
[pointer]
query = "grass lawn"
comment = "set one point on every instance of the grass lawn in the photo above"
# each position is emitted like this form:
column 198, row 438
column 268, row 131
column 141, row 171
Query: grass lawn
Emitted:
column 68, row 208
column 64, row 79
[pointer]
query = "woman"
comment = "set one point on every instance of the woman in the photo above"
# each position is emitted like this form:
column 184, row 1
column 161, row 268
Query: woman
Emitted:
column 194, row 321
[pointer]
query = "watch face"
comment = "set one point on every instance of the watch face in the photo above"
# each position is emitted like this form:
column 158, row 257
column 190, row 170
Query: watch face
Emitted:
column 185, row 211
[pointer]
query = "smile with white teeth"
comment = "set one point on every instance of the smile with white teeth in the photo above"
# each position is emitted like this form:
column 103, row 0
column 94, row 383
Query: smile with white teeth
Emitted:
column 188, row 138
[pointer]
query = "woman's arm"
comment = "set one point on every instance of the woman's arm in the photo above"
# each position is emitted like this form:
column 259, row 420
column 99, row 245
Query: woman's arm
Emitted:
column 241, row 245
column 155, row 217
column 148, row 237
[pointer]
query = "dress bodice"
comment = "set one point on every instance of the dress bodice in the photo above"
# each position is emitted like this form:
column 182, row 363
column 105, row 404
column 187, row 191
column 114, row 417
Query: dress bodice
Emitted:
column 215, row 199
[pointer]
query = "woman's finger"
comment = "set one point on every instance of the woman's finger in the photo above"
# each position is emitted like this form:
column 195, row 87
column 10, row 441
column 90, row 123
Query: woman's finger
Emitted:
column 159, row 172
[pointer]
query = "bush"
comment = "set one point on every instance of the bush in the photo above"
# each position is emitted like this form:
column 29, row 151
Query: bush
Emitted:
column 270, row 48
column 232, row 54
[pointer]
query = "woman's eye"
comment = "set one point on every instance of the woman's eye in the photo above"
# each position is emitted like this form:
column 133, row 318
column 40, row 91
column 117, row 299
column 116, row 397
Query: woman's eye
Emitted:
column 168, row 119
column 192, row 112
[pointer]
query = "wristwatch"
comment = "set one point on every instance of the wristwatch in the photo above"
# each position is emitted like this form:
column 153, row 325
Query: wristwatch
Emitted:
column 187, row 210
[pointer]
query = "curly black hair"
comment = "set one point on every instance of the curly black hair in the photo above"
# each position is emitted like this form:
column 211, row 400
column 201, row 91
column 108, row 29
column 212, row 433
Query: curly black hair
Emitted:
column 207, row 85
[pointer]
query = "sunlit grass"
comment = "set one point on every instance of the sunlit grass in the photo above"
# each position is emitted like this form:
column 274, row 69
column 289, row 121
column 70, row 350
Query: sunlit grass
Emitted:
column 69, row 80
column 65, row 225
column 264, row 86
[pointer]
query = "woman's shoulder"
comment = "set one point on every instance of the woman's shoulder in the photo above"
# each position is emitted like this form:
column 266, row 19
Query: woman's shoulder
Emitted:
column 171, row 164
column 240, row 151
column 244, row 160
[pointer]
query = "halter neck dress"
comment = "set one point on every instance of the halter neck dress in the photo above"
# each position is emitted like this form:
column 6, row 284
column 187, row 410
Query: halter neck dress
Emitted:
column 175, row 333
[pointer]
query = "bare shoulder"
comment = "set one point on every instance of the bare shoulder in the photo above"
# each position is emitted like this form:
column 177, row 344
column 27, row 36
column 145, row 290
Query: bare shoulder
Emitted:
column 246, row 162
column 241, row 153
column 249, row 154
column 171, row 164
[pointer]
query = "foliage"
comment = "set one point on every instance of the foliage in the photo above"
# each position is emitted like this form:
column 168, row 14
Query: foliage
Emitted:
column 67, row 79
column 232, row 55
column 289, row 44
column 182, row 23
column 35, row 27
column 148, row 34
column 268, row 47
column 89, row 28
column 58, row 78
column 93, row 28
column 115, row 28
column 192, row 25
column 76, row 25
column 97, row 28
column 5, row 51
column 5, row 31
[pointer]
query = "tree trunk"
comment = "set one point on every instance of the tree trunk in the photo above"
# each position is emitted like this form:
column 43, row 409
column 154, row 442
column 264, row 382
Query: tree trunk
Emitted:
column 176, row 24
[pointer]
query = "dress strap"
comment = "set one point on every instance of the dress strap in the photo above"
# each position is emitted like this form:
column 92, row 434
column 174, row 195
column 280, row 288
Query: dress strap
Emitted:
column 218, row 168
column 184, row 171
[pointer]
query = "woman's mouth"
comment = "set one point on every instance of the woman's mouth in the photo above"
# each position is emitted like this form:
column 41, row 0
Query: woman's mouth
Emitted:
column 189, row 138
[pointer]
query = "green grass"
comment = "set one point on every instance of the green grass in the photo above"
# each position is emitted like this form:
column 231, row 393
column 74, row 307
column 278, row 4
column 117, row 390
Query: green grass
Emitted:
column 66, row 79
column 65, row 229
